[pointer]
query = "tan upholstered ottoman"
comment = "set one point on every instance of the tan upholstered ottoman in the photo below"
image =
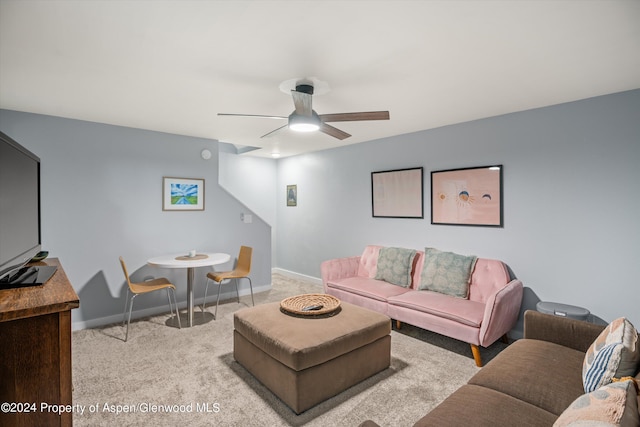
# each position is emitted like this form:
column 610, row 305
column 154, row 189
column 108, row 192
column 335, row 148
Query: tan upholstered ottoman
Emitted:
column 305, row 360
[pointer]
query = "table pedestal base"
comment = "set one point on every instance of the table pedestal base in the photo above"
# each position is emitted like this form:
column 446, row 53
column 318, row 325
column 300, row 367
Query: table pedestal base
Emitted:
column 198, row 318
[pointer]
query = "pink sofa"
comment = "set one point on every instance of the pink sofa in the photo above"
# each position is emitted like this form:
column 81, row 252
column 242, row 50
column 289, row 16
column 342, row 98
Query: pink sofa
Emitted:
column 490, row 311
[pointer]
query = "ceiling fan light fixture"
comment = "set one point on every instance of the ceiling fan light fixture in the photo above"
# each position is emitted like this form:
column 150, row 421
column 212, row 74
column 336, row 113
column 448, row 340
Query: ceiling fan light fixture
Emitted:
column 300, row 123
column 304, row 127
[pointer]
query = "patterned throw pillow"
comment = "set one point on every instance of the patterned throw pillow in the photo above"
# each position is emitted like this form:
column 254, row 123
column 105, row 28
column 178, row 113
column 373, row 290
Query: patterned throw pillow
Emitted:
column 614, row 404
column 615, row 353
column 447, row 272
column 395, row 265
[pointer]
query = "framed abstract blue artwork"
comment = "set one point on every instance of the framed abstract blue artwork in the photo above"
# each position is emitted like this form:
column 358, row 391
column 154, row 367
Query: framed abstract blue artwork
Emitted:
column 182, row 194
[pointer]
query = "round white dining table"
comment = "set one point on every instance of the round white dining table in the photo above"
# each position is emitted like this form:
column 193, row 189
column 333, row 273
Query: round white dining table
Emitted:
column 205, row 259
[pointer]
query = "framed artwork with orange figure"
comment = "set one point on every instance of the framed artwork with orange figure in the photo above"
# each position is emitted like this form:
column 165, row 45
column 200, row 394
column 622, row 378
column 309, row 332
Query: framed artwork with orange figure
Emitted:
column 467, row 196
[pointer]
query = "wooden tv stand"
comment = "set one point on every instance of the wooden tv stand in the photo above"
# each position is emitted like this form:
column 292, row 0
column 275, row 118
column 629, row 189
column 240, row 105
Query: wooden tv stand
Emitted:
column 35, row 351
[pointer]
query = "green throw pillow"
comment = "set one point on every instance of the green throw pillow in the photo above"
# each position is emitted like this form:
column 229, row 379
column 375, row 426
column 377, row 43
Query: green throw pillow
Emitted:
column 447, row 272
column 395, row 265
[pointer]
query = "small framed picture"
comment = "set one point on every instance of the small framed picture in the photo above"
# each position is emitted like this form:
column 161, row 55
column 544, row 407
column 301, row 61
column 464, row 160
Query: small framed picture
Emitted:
column 182, row 194
column 292, row 195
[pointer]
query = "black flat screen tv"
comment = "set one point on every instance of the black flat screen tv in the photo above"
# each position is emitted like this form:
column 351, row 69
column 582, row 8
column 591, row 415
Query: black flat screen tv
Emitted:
column 20, row 236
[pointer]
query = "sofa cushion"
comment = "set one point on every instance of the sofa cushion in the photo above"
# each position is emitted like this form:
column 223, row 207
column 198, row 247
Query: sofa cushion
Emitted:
column 487, row 278
column 369, row 261
column 395, row 265
column 447, row 272
column 615, row 353
column 370, row 288
column 460, row 310
column 477, row 406
column 614, row 404
column 544, row 374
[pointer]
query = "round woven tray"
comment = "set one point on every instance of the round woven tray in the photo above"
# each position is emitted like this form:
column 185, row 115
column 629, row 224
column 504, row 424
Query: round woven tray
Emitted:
column 296, row 304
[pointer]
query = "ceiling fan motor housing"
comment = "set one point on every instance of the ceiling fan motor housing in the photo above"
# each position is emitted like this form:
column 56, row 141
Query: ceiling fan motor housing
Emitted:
column 305, row 88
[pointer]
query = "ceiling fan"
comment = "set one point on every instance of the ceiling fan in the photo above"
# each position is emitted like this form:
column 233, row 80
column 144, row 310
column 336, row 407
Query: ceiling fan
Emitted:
column 305, row 119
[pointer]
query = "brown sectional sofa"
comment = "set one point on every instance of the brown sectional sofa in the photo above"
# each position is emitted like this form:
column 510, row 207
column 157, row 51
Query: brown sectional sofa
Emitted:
column 530, row 383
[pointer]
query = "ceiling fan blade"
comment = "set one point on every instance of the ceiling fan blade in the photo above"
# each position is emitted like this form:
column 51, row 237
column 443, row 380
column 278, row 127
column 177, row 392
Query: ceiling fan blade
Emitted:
column 252, row 115
column 274, row 131
column 334, row 132
column 354, row 117
column 302, row 102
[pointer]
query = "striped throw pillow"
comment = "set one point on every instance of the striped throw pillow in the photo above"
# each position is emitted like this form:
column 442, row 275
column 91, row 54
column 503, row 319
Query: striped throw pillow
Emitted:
column 615, row 353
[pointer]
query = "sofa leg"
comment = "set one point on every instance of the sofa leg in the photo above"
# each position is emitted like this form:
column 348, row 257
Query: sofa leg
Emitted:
column 505, row 339
column 476, row 355
column 398, row 324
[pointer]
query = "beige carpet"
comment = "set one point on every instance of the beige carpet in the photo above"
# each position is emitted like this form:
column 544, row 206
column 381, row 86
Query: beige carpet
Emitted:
column 168, row 377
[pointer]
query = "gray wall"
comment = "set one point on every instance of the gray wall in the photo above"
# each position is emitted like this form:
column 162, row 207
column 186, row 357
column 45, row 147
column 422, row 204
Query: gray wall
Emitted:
column 253, row 181
column 571, row 200
column 101, row 198
column 571, row 195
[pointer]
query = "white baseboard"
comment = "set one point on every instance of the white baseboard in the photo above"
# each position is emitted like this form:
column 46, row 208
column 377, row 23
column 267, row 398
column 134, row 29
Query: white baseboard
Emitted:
column 226, row 294
column 297, row 276
column 117, row 318
column 153, row 311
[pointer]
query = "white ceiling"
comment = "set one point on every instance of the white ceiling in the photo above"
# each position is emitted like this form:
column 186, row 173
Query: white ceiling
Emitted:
column 171, row 66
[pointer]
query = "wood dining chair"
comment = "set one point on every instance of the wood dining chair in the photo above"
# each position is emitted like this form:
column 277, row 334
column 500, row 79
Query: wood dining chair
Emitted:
column 138, row 288
column 242, row 270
